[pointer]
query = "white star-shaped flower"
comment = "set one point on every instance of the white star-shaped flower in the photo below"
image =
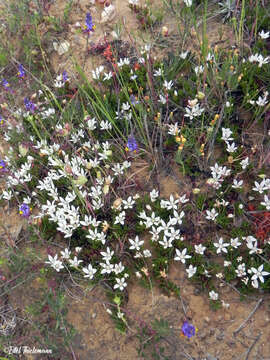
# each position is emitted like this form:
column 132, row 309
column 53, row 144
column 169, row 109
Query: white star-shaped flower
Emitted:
column 181, row 256
column 89, row 271
column 55, row 263
column 235, row 243
column 213, row 295
column 200, row 249
column 191, row 270
column 221, row 246
column 226, row 134
column 120, row 284
column 106, row 256
column 75, row 262
column 211, row 215
column 266, row 202
column 264, row 35
column 259, row 273
column 136, row 244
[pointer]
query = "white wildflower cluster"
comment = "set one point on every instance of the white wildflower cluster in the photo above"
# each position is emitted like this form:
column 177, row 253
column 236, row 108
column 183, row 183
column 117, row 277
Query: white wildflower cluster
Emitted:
column 262, row 186
column 199, row 69
column 226, row 246
column 20, row 175
column 193, row 109
column 75, row 193
column 76, row 169
column 145, row 50
column 262, row 101
column 218, row 175
column 122, row 62
column 96, row 74
column 66, row 260
column 125, row 113
column 258, row 58
column 174, row 129
column 226, row 136
column 241, row 270
column 60, row 81
column 164, row 232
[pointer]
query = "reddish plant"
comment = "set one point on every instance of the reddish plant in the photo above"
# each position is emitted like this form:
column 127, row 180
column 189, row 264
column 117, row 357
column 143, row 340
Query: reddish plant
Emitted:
column 261, row 223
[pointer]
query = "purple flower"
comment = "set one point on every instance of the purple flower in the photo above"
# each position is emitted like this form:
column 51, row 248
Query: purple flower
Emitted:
column 89, row 26
column 132, row 144
column 2, row 165
column 188, row 329
column 21, row 72
column 6, row 84
column 25, row 210
column 29, row 105
column 65, row 76
column 133, row 100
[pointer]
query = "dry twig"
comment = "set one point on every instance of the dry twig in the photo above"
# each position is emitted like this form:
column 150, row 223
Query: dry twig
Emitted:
column 248, row 318
column 252, row 346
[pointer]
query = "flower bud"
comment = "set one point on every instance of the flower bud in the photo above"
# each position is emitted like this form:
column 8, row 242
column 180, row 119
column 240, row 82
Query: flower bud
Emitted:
column 200, row 95
column 88, row 165
column 23, row 149
column 98, row 174
column 230, row 159
column 117, row 300
column 164, row 31
column 81, row 180
column 117, row 203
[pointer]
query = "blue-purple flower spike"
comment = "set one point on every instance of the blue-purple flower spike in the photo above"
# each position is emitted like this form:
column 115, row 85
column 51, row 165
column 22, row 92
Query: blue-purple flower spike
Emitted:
column 6, row 84
column 65, row 76
column 21, row 72
column 188, row 329
column 132, row 144
column 133, row 100
column 89, row 26
column 2, row 165
column 29, row 105
column 25, row 210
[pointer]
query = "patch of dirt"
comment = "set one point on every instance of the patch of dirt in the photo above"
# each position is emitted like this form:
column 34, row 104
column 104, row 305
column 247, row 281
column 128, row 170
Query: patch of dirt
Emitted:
column 11, row 225
column 78, row 40
column 216, row 328
column 97, row 338
column 130, row 30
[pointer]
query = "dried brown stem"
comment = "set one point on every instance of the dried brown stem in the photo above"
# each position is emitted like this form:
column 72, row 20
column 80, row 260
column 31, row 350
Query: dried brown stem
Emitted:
column 252, row 346
column 249, row 317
